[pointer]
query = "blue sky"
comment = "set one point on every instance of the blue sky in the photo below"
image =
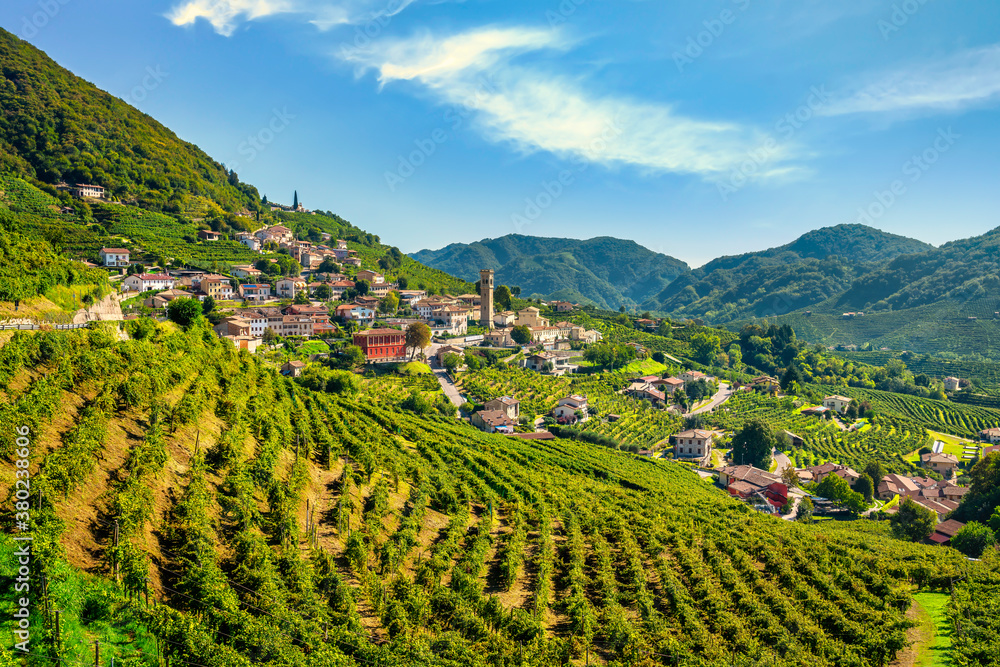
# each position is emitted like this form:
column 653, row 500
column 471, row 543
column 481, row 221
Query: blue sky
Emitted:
column 696, row 129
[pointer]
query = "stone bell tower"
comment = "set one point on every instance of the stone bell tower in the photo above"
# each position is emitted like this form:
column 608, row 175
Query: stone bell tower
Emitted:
column 486, row 298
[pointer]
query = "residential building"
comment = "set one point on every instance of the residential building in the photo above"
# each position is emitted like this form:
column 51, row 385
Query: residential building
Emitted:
column 991, row 450
column 249, row 241
column 693, row 444
column 586, row 336
column 499, row 338
column 747, row 482
column 81, row 190
column 245, row 271
column 382, row 345
column 944, row 531
column 493, row 421
column 541, row 362
column 571, row 409
column 942, row 463
column 765, row 383
column 287, row 288
column 896, row 485
column 544, row 334
column 646, row 392
column 208, row 235
column 248, row 343
column 990, row 435
column 668, row 385
column 529, row 317
column 255, row 292
column 849, row 475
column 293, row 368
column 144, row 282
column 114, row 257
column 410, row 296
column 952, row 383
column 297, row 325
column 562, row 306
column 356, row 313
column 338, row 288
column 262, row 319
column 508, row 405
column 371, row 277
column 504, row 319
column 836, row 403
column 217, row 287
column 233, row 326
column 160, row 300
column 694, row 376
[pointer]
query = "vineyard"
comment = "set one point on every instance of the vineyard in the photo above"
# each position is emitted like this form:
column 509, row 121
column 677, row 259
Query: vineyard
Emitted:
column 884, row 438
column 987, row 372
column 946, row 417
column 191, row 503
column 639, row 425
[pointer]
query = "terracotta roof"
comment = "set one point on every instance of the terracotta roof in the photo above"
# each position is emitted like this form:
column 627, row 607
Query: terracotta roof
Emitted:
column 380, row 332
column 949, row 527
column 154, row 276
column 115, row 250
column 694, row 433
column 940, row 458
column 495, row 418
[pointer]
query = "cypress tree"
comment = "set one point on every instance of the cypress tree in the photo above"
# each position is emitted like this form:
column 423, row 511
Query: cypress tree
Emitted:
column 295, row 202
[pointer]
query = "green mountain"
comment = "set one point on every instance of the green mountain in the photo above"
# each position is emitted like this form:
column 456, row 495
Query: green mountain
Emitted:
column 813, row 268
column 606, row 271
column 55, row 126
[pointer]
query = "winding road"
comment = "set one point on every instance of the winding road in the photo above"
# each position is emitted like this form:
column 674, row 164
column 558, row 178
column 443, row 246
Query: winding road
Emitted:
column 724, row 394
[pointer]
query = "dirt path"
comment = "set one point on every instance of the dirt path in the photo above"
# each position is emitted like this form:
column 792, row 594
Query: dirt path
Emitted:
column 929, row 642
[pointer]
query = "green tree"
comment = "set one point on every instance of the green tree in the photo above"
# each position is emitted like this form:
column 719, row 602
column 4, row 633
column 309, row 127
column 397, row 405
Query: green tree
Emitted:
column 789, row 476
column 329, row 265
column 390, row 303
column 324, row 293
column 973, row 539
column 876, row 471
column 791, row 375
column 353, row 356
column 403, row 282
column 521, row 334
column 735, row 357
column 184, row 311
column 362, row 287
column 269, row 336
column 295, row 200
column 418, row 336
column 865, row 487
column 301, row 298
column 912, row 522
column 208, row 305
column 451, row 361
column 752, row 444
column 502, row 297
column 805, row 510
column 705, row 347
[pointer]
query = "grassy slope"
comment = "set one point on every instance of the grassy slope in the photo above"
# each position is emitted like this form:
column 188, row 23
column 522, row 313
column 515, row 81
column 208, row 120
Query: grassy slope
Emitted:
column 936, row 652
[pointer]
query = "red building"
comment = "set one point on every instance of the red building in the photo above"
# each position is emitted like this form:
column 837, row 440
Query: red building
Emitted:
column 382, row 345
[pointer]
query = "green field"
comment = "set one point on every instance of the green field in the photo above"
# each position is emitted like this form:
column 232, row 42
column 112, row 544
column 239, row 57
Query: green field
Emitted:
column 937, row 653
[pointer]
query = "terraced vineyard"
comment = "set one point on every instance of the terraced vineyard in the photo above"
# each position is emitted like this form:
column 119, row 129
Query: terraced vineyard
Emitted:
column 944, row 416
column 638, row 426
column 885, row 438
column 311, row 529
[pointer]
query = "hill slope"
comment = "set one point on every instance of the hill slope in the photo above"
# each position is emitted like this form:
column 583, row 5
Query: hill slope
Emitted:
column 54, row 126
column 816, row 266
column 607, row 271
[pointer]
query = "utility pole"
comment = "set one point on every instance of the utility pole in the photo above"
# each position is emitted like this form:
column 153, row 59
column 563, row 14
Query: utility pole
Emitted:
column 97, row 653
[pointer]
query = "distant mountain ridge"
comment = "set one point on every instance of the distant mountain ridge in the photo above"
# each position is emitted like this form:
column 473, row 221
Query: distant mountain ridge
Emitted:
column 606, row 271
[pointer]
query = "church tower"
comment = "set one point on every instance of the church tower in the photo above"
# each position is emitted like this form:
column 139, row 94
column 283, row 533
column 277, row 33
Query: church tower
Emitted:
column 486, row 298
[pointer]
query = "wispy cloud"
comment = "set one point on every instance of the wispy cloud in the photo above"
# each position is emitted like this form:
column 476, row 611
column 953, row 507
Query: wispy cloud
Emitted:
column 968, row 78
column 225, row 16
column 484, row 70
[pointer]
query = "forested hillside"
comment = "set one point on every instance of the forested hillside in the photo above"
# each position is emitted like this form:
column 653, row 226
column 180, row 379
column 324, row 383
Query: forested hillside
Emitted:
column 605, row 271
column 54, row 126
column 270, row 524
column 816, row 266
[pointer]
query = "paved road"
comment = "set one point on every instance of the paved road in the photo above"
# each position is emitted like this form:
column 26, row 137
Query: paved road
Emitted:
column 724, row 394
column 442, row 376
column 782, row 460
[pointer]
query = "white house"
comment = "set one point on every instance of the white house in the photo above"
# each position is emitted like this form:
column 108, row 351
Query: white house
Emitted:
column 144, row 282
column 356, row 313
column 952, row 383
column 571, row 408
column 693, row 376
column 114, row 256
column 287, row 288
column 260, row 292
column 990, row 435
column 836, row 403
column 84, row 190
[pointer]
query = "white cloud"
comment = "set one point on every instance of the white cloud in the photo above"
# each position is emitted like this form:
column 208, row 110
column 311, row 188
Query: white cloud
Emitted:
column 481, row 70
column 226, row 15
column 965, row 79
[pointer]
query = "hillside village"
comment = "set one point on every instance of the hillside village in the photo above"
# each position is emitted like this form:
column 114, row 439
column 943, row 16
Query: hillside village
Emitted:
column 336, row 302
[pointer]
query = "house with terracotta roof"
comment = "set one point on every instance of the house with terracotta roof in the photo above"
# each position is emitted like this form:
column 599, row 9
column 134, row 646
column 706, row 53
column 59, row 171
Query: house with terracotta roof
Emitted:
column 293, row 368
column 896, row 485
column 571, row 409
column 693, row 444
column 144, row 282
column 940, row 462
column 508, row 405
column 746, row 481
column 944, row 531
column 493, row 421
column 160, row 300
column 114, row 257
column 849, row 475
column 255, row 292
column 382, row 346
